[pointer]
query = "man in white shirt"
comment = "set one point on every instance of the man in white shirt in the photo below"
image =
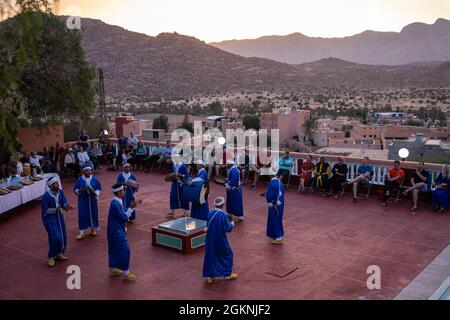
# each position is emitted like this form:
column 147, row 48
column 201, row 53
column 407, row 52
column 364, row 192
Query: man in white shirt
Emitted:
column 71, row 163
column 35, row 161
column 83, row 159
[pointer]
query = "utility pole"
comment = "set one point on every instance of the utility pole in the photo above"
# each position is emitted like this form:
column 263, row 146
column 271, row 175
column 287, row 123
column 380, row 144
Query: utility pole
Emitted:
column 102, row 103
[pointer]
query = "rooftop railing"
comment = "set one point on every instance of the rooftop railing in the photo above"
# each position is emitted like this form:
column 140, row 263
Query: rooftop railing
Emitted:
column 381, row 167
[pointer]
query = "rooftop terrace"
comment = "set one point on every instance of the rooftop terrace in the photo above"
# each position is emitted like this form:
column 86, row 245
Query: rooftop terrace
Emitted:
column 329, row 243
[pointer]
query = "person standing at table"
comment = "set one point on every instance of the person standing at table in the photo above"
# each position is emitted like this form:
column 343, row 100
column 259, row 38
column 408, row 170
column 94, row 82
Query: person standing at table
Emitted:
column 235, row 205
column 200, row 211
column 129, row 182
column 53, row 206
column 275, row 201
column 88, row 189
column 218, row 260
column 118, row 248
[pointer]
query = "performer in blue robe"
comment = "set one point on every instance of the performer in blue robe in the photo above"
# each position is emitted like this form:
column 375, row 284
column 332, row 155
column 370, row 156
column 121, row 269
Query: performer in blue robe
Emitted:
column 218, row 261
column 53, row 206
column 235, row 205
column 87, row 188
column 275, row 200
column 118, row 248
column 200, row 211
column 129, row 182
column 181, row 173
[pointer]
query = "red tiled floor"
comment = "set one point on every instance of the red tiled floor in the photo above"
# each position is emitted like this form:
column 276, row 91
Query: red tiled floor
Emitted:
column 329, row 243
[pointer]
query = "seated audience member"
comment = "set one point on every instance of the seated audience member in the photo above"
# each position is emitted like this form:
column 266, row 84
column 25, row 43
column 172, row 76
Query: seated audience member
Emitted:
column 93, row 153
column 339, row 177
column 36, row 161
column 306, row 173
column 126, row 156
column 256, row 168
column 392, row 181
column 122, row 142
column 70, row 162
column 165, row 161
column 111, row 156
column 133, row 141
column 364, row 176
column 244, row 165
column 83, row 159
column 441, row 193
column 83, row 140
column 285, row 165
column 154, row 155
column 140, row 156
column 321, row 174
column 419, row 183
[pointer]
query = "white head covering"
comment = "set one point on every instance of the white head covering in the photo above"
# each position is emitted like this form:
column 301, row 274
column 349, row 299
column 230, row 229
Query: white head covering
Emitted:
column 117, row 189
column 126, row 165
column 51, row 181
column 219, row 201
column 200, row 162
column 229, row 161
column 87, row 168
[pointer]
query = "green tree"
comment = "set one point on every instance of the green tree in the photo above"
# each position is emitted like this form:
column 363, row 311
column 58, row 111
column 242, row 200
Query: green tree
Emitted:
column 186, row 124
column 44, row 76
column 251, row 122
column 161, row 122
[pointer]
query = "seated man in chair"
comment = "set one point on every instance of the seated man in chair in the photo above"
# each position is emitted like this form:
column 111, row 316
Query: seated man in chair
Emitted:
column 286, row 163
column 392, row 181
column 364, row 177
column 321, row 174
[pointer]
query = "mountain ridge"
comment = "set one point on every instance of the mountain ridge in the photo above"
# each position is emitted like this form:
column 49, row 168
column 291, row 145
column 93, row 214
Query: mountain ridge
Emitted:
column 416, row 42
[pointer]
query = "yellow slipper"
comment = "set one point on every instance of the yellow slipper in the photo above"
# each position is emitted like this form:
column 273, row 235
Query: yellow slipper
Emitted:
column 209, row 280
column 115, row 273
column 51, row 262
column 277, row 241
column 82, row 236
column 231, row 276
column 93, row 233
column 62, row 257
column 129, row 277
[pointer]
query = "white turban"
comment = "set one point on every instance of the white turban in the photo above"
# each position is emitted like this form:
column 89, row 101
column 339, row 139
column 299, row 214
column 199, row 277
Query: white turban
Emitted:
column 51, row 181
column 220, row 201
column 200, row 162
column 87, row 168
column 229, row 161
column 117, row 189
column 126, row 165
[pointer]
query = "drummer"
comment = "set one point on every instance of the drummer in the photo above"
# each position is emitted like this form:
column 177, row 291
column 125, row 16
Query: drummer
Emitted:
column 180, row 173
column 235, row 205
column 200, row 211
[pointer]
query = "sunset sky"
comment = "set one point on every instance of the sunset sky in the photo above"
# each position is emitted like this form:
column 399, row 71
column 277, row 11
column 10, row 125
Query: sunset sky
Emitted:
column 214, row 20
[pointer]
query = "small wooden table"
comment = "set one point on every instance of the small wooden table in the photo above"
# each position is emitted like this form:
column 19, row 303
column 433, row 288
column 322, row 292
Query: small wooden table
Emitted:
column 183, row 234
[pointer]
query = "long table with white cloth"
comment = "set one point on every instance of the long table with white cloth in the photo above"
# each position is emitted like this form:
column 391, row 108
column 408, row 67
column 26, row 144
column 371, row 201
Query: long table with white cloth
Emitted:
column 26, row 194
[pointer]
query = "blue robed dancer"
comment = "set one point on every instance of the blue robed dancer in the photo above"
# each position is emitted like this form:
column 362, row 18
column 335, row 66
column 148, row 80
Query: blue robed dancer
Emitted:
column 275, row 200
column 118, row 248
column 179, row 173
column 53, row 206
column 442, row 192
column 87, row 188
column 235, row 205
column 218, row 261
column 129, row 182
column 200, row 211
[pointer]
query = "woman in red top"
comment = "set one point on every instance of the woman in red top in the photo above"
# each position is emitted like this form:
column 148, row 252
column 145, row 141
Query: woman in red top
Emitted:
column 305, row 176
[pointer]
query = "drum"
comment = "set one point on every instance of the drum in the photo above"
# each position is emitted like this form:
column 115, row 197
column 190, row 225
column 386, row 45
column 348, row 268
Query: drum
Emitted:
column 220, row 180
column 198, row 192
